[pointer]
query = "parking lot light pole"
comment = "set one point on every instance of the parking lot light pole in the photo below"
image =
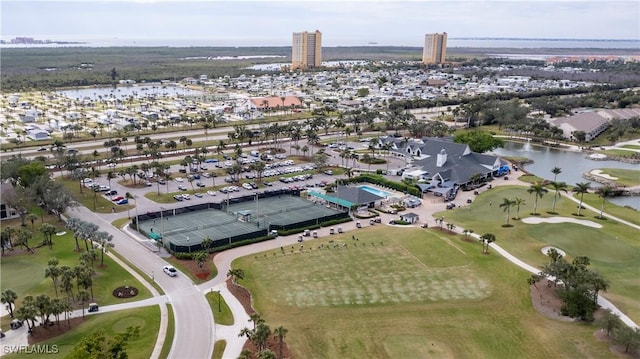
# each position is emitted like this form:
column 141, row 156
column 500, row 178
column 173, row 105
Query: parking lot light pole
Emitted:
column 162, row 221
column 135, row 197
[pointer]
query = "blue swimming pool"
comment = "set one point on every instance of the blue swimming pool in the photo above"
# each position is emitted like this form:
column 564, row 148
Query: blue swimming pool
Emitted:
column 376, row 191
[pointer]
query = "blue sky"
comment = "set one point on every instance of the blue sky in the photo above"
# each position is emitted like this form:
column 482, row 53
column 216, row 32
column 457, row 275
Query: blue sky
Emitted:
column 271, row 23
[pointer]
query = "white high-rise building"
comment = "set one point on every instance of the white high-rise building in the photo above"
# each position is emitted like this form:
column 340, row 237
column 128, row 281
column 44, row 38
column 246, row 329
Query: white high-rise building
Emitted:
column 306, row 50
column 435, row 48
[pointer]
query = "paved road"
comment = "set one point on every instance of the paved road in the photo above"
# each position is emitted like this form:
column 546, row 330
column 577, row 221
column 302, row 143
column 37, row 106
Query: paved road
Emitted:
column 193, row 317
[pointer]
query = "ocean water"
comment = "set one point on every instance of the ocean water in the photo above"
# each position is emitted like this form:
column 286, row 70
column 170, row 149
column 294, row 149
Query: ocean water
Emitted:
column 452, row 42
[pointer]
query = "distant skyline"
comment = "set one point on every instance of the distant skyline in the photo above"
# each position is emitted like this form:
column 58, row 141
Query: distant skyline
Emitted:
column 351, row 23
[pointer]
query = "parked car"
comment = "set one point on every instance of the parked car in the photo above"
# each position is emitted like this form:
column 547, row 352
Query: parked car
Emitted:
column 147, row 183
column 199, row 195
column 200, row 184
column 179, row 179
column 111, row 193
column 123, row 201
column 246, row 186
column 186, row 196
column 196, row 176
column 117, row 198
column 182, row 170
column 211, row 160
column 328, row 172
column 253, row 185
column 182, row 187
column 178, row 198
column 42, row 149
column 211, row 193
column 161, row 181
column 170, row 270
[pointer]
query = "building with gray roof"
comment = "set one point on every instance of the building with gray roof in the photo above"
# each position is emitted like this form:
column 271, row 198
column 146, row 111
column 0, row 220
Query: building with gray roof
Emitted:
column 446, row 165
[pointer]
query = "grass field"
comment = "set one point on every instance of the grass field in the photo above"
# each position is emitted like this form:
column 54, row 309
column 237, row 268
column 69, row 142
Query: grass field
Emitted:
column 614, row 249
column 421, row 294
column 623, row 177
column 222, row 316
column 25, row 272
column 148, row 318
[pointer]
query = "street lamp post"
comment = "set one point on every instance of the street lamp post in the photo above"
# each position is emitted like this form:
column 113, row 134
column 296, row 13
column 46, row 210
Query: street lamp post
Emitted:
column 135, row 197
column 188, row 245
column 162, row 221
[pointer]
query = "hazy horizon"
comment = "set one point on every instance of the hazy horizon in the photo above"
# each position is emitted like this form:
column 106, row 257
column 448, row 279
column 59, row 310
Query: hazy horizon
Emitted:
column 348, row 23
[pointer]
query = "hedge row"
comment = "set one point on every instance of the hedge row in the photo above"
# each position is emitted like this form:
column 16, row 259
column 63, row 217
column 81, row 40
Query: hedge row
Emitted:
column 381, row 181
column 181, row 255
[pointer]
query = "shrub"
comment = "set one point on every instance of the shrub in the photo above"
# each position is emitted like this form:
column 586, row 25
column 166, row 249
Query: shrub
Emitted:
column 400, row 222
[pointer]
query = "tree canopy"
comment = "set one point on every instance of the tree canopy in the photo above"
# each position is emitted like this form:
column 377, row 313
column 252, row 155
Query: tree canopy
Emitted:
column 479, row 141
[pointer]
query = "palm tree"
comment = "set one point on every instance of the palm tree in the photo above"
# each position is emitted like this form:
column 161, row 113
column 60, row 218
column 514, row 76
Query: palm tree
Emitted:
column 538, row 190
column 32, row 218
column 48, row 230
column 235, row 274
column 604, row 192
column 487, row 239
column 518, row 202
column 52, row 271
column 556, row 171
column 507, row 204
column 280, row 332
column 581, row 188
column 83, row 296
column 9, row 297
column 557, row 187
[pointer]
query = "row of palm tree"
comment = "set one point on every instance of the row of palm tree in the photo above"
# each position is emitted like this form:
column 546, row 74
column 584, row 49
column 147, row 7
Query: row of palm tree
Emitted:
column 539, row 189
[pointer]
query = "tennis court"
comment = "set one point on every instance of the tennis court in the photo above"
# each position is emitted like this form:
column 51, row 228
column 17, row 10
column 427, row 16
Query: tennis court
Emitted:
column 283, row 211
column 184, row 229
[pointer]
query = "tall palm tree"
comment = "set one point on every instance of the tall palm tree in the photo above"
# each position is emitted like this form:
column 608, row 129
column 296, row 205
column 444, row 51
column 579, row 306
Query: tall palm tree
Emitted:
column 9, row 297
column 487, row 239
column 604, row 192
column 507, row 204
column 538, row 190
column 556, row 171
column 581, row 188
column 518, row 202
column 53, row 271
column 280, row 332
column 557, row 187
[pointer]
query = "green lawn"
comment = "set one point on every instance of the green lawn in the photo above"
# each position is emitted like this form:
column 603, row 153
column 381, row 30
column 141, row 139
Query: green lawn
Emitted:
column 218, row 349
column 221, row 313
column 614, row 250
column 625, row 213
column 420, row 294
column 633, row 147
column 624, row 177
column 148, row 318
column 24, row 272
column 171, row 328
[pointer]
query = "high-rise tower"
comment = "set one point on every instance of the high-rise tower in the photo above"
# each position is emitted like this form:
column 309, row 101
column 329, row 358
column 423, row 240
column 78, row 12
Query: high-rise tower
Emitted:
column 435, row 48
column 306, row 50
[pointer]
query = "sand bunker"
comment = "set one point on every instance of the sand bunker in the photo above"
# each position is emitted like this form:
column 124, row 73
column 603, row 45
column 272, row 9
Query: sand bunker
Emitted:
column 584, row 222
column 545, row 249
column 599, row 173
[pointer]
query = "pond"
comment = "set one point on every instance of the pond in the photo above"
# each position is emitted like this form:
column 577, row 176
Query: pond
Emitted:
column 124, row 91
column 573, row 165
